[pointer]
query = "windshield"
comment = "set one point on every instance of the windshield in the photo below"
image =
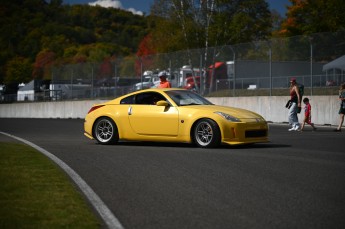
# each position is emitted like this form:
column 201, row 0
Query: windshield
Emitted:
column 147, row 79
column 185, row 98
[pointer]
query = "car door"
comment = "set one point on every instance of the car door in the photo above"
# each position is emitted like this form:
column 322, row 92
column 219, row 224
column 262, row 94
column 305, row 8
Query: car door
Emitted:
column 147, row 118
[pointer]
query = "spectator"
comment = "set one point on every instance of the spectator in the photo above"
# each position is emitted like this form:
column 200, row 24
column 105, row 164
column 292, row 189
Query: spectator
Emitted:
column 295, row 105
column 342, row 107
column 164, row 82
column 307, row 114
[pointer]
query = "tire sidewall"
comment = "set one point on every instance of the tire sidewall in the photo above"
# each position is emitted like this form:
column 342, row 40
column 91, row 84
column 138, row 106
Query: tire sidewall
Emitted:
column 115, row 136
column 216, row 138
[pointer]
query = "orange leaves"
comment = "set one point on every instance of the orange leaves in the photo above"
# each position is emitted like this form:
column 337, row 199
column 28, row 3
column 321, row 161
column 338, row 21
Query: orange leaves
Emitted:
column 44, row 59
column 146, row 46
column 313, row 16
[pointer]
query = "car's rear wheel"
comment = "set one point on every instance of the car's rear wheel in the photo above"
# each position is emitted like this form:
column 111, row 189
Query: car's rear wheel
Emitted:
column 206, row 133
column 105, row 131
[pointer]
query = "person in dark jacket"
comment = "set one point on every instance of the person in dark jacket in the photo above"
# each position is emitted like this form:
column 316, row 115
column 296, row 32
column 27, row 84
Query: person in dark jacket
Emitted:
column 342, row 107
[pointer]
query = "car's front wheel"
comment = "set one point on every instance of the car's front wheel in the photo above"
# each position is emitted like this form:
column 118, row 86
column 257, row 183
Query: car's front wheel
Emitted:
column 105, row 131
column 206, row 133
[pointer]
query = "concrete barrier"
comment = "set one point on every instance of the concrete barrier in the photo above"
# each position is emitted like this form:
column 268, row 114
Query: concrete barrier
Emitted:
column 272, row 108
column 63, row 109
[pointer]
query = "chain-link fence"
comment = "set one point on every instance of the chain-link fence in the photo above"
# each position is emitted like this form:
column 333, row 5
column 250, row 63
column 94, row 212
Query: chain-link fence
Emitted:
column 260, row 68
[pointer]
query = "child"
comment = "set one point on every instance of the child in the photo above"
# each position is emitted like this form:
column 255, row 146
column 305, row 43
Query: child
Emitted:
column 307, row 114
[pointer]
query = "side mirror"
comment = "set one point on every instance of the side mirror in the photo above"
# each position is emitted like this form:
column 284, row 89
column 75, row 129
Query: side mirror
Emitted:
column 162, row 103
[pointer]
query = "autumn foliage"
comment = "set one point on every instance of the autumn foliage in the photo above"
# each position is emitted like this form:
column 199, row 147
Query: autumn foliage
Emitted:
column 145, row 49
column 313, row 16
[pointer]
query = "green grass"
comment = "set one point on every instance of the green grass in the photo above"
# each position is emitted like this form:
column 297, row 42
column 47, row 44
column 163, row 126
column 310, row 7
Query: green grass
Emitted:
column 36, row 193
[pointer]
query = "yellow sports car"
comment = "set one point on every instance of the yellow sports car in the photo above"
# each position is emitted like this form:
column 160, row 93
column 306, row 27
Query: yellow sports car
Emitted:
column 172, row 115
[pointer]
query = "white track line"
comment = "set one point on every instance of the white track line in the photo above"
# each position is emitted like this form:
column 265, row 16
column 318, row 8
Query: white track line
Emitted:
column 105, row 213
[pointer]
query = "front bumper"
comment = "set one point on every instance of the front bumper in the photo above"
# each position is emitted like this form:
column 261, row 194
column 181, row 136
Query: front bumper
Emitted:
column 245, row 133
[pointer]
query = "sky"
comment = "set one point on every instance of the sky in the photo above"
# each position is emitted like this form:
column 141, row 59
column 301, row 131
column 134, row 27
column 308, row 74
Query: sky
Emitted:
column 143, row 6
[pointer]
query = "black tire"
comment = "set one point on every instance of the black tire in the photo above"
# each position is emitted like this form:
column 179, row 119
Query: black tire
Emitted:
column 105, row 131
column 206, row 133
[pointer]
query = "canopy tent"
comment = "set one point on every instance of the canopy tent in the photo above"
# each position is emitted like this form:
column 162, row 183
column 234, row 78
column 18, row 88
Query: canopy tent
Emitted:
column 26, row 92
column 335, row 71
column 335, row 64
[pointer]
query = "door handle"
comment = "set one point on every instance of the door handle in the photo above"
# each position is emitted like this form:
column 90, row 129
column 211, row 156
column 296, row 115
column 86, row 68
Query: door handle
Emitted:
column 130, row 110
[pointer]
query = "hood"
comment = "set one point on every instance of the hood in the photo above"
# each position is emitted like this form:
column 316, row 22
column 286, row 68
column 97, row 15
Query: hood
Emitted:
column 236, row 112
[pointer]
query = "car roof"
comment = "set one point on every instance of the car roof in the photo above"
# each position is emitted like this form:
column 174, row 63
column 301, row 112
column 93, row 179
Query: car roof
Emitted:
column 158, row 90
column 118, row 99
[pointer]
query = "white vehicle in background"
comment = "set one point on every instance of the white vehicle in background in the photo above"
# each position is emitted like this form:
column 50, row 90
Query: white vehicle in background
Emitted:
column 2, row 91
column 148, row 81
column 156, row 83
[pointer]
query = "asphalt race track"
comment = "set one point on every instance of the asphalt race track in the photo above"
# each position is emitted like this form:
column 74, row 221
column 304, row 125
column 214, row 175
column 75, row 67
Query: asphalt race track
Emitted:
column 297, row 180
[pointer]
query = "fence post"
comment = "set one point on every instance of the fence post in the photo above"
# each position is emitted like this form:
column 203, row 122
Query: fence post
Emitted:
column 234, row 68
column 92, row 92
column 141, row 71
column 115, row 79
column 311, row 65
column 72, row 83
column 270, row 65
column 202, row 76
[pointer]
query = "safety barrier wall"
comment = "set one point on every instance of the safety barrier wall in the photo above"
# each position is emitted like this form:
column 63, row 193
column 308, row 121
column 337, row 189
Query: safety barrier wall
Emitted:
column 62, row 109
column 272, row 108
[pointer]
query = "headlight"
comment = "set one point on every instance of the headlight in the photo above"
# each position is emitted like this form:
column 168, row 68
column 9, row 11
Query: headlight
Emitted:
column 228, row 117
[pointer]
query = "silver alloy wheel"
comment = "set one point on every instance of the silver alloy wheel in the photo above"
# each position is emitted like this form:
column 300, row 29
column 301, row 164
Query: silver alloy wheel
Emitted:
column 203, row 133
column 104, row 131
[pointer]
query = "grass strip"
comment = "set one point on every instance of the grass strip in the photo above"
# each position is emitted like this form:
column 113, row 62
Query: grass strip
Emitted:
column 36, row 193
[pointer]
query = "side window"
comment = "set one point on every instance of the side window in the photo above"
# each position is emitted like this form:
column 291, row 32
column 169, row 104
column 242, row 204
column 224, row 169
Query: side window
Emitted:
column 148, row 98
column 128, row 100
column 157, row 97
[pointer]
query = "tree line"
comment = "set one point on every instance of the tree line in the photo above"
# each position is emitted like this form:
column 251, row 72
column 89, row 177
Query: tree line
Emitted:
column 37, row 34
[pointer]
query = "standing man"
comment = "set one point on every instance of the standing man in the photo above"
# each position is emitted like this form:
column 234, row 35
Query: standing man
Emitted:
column 164, row 82
column 295, row 105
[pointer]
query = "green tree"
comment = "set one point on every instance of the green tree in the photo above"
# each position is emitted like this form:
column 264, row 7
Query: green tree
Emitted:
column 277, row 21
column 197, row 24
column 30, row 27
column 18, row 69
column 312, row 16
column 190, row 24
